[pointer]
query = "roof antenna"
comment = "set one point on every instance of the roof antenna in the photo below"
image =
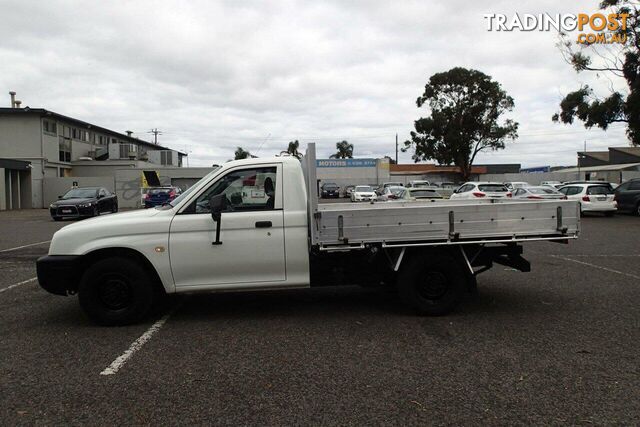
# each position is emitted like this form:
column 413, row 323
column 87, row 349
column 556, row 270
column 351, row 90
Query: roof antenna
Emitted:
column 265, row 140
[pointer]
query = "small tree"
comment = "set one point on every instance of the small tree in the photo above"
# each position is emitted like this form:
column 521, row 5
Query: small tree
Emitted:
column 345, row 151
column 240, row 154
column 466, row 106
column 292, row 149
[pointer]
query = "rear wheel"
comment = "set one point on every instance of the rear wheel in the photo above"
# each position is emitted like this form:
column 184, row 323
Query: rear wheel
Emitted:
column 432, row 286
column 115, row 291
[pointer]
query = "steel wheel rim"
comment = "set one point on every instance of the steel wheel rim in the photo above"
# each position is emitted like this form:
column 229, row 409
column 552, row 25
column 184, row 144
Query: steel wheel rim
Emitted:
column 115, row 292
column 433, row 286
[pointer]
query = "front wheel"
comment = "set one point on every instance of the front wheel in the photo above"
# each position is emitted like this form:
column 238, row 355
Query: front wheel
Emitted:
column 433, row 286
column 114, row 208
column 115, row 291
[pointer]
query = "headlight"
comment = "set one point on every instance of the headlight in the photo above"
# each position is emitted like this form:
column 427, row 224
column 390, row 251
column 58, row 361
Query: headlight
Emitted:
column 52, row 206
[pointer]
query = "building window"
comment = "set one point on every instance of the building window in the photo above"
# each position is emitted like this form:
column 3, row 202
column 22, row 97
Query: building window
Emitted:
column 67, row 132
column 127, row 151
column 166, row 158
column 84, row 135
column 50, row 127
column 64, row 149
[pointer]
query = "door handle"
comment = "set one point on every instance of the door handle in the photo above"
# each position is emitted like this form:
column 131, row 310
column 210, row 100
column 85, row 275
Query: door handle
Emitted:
column 263, row 224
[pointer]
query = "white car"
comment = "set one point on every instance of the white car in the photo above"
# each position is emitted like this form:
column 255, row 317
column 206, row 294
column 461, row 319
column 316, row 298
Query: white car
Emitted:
column 592, row 197
column 418, row 183
column 363, row 193
column 517, row 184
column 477, row 190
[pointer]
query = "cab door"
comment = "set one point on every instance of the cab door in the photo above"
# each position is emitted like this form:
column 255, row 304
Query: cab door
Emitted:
column 252, row 233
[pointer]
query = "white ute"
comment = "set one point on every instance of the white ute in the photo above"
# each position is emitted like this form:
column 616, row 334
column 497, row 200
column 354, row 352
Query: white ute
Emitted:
column 256, row 224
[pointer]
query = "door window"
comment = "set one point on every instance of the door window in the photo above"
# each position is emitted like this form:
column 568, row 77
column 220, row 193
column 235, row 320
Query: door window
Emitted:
column 634, row 185
column 246, row 190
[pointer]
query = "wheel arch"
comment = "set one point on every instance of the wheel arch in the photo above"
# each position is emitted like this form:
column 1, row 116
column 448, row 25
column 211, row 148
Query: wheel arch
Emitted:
column 122, row 252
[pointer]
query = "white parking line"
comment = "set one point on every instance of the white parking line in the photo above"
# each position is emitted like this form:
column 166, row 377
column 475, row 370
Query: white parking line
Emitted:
column 25, row 246
column 135, row 346
column 610, row 270
column 15, row 285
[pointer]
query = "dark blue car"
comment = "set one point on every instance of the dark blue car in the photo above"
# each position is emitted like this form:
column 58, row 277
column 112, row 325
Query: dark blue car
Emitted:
column 160, row 196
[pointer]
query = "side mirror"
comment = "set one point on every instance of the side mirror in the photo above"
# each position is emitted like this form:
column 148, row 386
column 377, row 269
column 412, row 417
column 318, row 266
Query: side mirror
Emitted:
column 59, row 197
column 217, row 205
column 100, row 196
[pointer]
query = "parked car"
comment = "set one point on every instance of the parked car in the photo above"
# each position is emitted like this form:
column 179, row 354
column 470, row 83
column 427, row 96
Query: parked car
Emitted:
column 392, row 192
column 381, row 189
column 363, row 193
column 627, row 195
column 83, row 203
column 539, row 192
column 418, row 183
column 447, row 185
column 608, row 184
column 348, row 190
column 423, row 193
column 473, row 190
column 159, row 196
column 329, row 189
column 517, row 184
column 593, row 197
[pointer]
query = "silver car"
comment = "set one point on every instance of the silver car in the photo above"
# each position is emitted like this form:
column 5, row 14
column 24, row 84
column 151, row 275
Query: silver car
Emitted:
column 537, row 193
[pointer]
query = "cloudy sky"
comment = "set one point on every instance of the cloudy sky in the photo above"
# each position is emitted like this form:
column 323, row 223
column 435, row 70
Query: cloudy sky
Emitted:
column 216, row 75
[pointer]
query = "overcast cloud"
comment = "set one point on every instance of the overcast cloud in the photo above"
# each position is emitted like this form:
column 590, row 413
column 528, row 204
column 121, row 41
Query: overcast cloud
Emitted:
column 216, row 75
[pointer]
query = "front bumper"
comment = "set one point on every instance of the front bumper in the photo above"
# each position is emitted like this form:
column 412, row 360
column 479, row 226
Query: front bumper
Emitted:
column 59, row 274
column 72, row 212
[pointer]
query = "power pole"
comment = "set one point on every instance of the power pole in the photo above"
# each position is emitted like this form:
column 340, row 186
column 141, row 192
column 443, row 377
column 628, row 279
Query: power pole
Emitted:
column 396, row 148
column 155, row 133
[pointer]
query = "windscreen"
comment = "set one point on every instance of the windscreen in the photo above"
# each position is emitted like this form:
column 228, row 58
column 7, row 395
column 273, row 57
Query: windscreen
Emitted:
column 154, row 191
column 363, row 188
column 80, row 193
column 599, row 190
column 493, row 188
column 190, row 189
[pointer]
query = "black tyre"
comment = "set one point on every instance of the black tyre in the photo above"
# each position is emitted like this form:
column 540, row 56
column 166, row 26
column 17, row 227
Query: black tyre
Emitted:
column 432, row 285
column 638, row 209
column 114, row 208
column 96, row 211
column 115, row 291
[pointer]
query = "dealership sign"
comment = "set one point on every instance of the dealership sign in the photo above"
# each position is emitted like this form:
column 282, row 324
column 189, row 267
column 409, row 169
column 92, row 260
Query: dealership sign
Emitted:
column 346, row 163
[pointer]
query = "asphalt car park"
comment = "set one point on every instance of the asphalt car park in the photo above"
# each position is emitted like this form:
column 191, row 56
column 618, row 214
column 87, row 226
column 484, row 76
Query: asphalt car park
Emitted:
column 558, row 345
